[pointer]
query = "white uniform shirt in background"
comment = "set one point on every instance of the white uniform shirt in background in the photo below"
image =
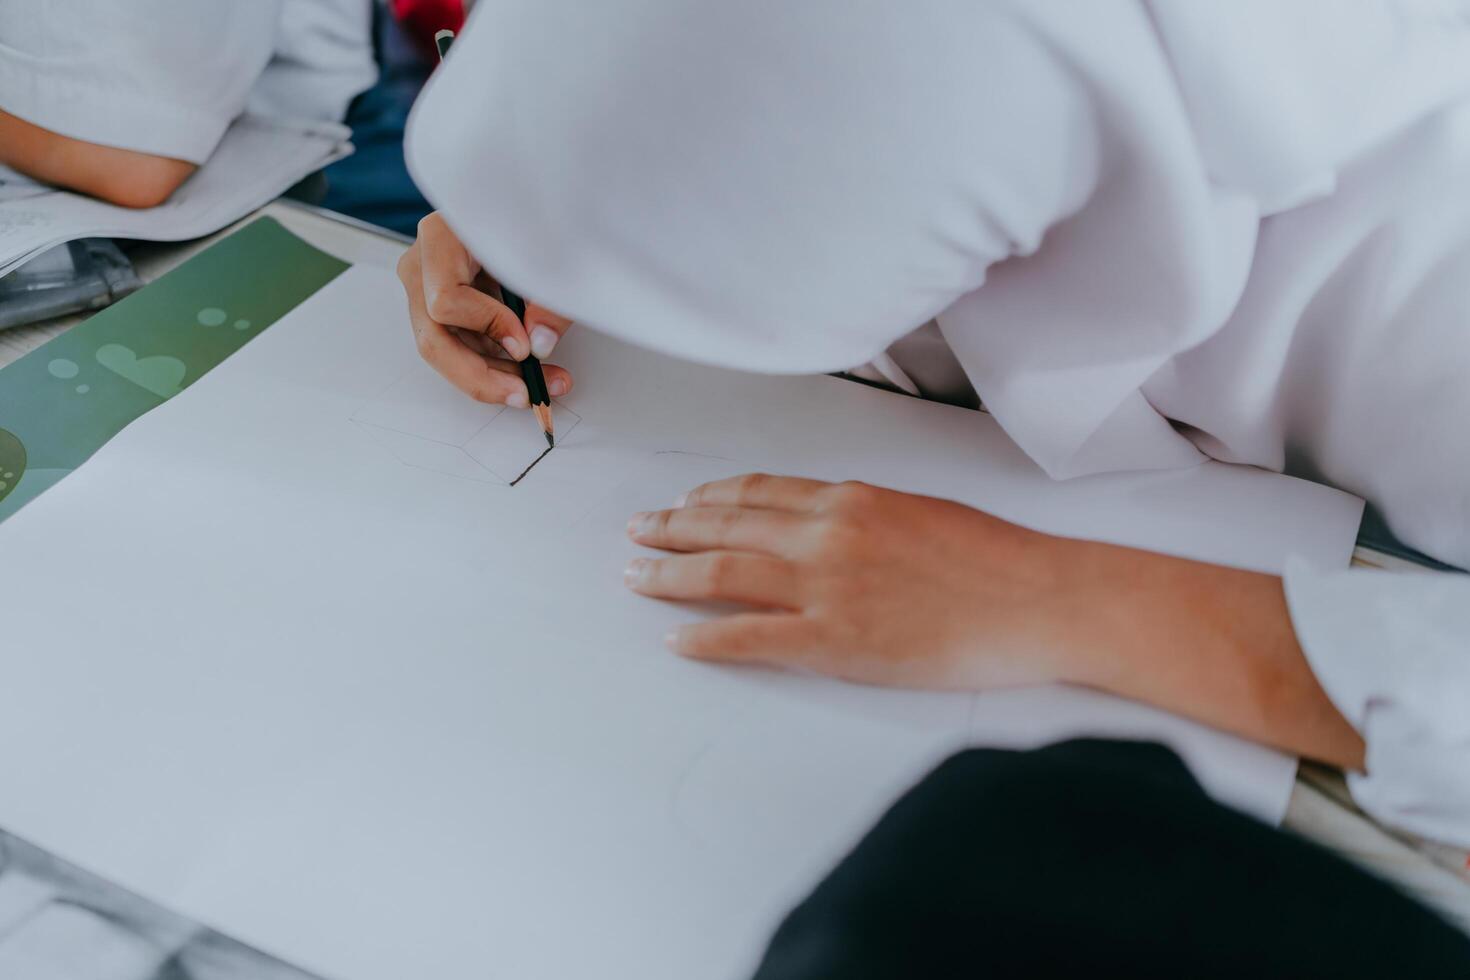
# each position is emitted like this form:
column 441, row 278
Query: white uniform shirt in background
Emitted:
column 1148, row 231
column 168, row 76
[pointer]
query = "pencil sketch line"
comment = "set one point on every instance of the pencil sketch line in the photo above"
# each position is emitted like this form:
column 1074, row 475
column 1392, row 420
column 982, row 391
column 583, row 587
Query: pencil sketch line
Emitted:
column 414, row 435
column 493, row 478
column 528, row 468
column 496, row 482
column 685, row 452
column 484, row 427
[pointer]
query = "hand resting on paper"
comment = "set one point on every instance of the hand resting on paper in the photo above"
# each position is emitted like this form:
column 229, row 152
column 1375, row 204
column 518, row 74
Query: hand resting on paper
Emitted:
column 888, row 588
column 463, row 331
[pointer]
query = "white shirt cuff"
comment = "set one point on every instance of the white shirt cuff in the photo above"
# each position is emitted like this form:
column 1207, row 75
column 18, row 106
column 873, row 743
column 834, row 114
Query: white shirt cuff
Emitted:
column 1392, row 651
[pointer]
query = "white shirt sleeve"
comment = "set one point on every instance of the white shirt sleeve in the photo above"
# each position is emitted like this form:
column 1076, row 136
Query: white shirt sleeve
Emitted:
column 1376, row 402
column 164, row 77
column 1392, row 650
column 324, row 57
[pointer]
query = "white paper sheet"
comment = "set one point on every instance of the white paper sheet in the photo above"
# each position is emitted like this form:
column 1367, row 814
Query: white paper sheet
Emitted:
column 387, row 719
column 15, row 185
column 255, row 161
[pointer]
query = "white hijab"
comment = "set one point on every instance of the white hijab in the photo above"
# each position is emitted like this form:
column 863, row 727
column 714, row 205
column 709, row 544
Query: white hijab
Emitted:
column 1072, row 189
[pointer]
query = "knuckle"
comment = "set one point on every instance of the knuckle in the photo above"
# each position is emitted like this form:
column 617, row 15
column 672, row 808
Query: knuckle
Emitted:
column 718, row 571
column 751, row 483
column 853, row 493
column 429, row 223
column 501, row 324
column 728, row 522
column 851, row 498
column 424, row 341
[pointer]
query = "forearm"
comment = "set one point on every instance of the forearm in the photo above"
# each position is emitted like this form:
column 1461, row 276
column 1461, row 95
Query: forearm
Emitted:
column 124, row 177
column 1207, row 642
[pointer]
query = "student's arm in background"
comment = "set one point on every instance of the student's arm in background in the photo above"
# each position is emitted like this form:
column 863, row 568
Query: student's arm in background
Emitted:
column 112, row 174
column 123, row 101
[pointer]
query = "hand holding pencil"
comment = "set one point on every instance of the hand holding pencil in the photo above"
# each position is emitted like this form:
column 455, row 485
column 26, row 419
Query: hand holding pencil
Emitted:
column 468, row 335
column 486, row 348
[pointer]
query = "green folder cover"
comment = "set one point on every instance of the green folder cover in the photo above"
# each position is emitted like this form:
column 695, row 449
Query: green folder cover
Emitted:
column 60, row 403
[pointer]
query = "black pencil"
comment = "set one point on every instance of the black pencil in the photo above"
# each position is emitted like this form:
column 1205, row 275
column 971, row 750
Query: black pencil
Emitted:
column 531, row 372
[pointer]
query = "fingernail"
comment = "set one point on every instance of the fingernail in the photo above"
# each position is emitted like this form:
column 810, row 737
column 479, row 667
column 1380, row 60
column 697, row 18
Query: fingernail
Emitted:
column 671, row 640
column 518, row 399
column 683, row 499
column 636, row 571
column 557, row 387
column 640, row 524
column 543, row 341
column 514, row 347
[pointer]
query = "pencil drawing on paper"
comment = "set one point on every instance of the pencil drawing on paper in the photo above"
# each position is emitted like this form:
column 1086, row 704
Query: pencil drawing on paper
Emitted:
column 425, row 423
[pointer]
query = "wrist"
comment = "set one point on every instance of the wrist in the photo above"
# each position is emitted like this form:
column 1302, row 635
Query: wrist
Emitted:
column 1207, row 642
column 1104, row 606
column 1063, row 624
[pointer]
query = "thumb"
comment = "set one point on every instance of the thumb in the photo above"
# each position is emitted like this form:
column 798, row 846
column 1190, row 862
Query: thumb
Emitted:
column 545, row 328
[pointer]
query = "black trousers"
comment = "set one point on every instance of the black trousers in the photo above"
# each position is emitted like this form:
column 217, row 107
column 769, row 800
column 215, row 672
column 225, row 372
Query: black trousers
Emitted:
column 1095, row 858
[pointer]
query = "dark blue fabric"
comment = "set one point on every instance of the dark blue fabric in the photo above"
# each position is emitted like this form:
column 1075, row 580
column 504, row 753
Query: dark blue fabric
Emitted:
column 1097, row 859
column 373, row 184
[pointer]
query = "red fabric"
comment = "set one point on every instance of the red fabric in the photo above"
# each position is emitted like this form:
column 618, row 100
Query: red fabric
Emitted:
column 422, row 18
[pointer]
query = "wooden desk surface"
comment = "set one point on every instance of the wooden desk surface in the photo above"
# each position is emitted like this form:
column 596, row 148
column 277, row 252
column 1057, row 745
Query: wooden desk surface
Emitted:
column 1320, row 806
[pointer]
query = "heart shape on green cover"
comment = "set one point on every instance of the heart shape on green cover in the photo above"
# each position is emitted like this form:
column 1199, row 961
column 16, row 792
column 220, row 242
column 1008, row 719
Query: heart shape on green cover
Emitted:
column 160, row 374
